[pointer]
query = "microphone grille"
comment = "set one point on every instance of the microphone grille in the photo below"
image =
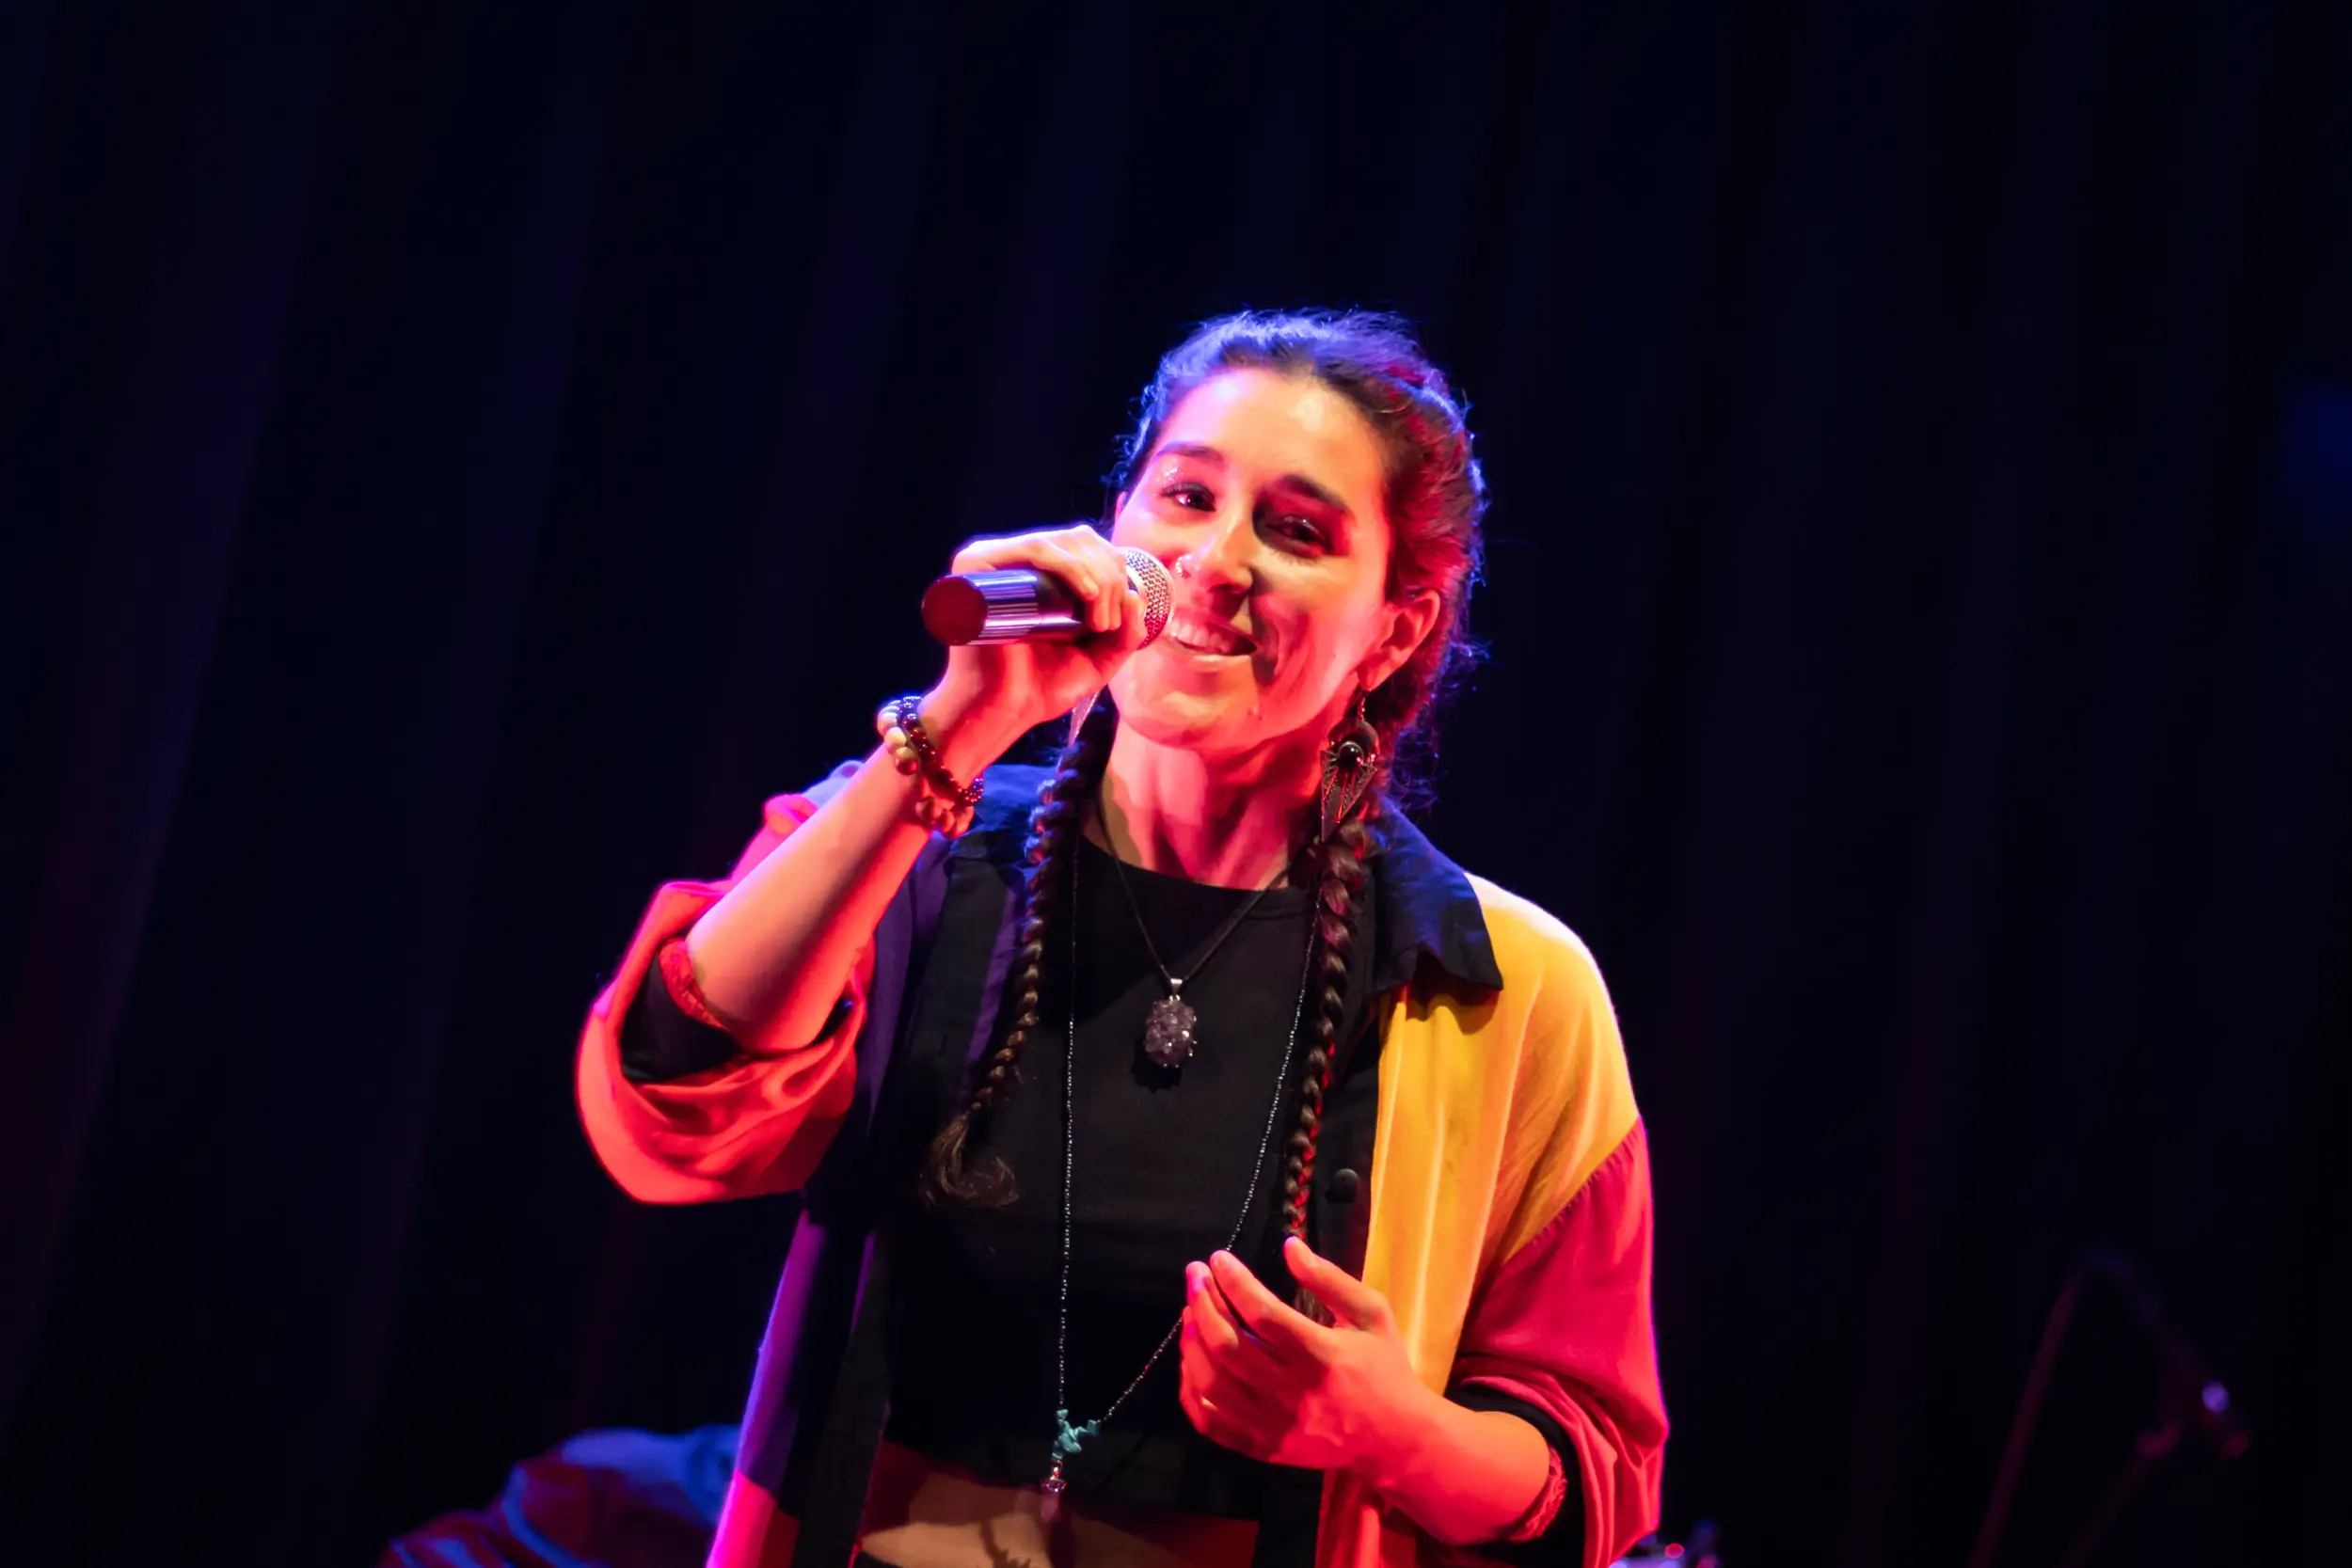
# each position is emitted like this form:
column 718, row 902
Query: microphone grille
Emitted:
column 1157, row 588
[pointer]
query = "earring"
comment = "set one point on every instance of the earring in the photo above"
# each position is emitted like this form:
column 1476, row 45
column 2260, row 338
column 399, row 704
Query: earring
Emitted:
column 1351, row 760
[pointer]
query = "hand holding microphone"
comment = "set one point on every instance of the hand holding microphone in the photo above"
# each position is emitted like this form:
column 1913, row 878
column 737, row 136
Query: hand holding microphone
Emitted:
column 1035, row 623
column 1024, row 604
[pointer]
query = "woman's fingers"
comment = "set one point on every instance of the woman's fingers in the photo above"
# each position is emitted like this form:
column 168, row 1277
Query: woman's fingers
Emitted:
column 1224, row 1407
column 1215, row 1337
column 1206, row 1318
column 1078, row 571
column 1078, row 558
column 1081, row 571
column 1210, row 1419
column 1106, row 652
column 1221, row 1331
column 1349, row 1298
column 1110, row 567
column 994, row 552
column 1057, row 554
column 1284, row 1330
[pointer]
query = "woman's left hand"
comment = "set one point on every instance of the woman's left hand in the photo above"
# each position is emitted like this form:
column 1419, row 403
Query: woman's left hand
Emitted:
column 1267, row 1381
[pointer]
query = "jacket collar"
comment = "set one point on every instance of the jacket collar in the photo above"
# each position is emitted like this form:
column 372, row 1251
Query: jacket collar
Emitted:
column 1427, row 910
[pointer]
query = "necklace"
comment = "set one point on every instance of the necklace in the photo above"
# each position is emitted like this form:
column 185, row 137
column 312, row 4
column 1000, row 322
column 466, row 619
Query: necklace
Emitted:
column 1067, row 1437
column 1167, row 1030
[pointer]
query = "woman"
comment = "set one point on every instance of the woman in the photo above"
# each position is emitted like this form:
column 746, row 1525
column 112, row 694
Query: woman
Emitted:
column 1207, row 1171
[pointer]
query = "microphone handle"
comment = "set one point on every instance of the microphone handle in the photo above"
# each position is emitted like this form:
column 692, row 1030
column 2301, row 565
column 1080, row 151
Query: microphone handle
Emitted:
column 1018, row 604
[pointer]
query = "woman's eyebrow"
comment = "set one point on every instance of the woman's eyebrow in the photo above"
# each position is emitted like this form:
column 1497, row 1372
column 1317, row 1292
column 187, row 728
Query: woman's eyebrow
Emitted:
column 1321, row 495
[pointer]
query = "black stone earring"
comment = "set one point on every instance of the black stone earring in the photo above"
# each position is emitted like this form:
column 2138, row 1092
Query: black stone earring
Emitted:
column 1351, row 760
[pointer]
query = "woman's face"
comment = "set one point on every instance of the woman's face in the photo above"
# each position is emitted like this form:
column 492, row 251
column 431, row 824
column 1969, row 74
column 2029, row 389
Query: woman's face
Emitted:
column 1265, row 495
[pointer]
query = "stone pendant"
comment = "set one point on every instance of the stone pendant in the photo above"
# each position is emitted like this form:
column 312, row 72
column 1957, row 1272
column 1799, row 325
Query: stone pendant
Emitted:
column 1168, row 1033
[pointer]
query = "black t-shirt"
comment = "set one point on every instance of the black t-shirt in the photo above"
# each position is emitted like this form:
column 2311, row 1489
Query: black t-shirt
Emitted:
column 1162, row 1160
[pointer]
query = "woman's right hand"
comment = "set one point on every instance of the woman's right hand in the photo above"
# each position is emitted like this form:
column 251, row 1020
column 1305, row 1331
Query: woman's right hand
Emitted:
column 992, row 693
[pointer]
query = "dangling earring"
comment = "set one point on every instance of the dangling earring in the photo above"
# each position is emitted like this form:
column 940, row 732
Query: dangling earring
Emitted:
column 1351, row 760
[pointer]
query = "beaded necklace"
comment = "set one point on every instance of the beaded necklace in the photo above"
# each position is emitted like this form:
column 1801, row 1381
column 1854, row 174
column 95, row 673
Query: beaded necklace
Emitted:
column 1067, row 1437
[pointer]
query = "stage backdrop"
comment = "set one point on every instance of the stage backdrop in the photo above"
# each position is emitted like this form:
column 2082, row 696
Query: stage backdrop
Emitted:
column 458, row 459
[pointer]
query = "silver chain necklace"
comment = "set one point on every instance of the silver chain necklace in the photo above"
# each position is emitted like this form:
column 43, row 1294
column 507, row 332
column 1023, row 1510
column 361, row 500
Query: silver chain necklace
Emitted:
column 1067, row 1437
column 1167, row 1028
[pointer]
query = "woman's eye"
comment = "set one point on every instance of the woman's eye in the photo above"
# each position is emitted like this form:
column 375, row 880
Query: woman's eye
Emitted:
column 1299, row 530
column 1194, row 496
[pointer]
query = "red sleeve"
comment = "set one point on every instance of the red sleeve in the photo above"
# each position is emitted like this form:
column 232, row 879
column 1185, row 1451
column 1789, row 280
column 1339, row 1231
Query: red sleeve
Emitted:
column 756, row 1124
column 1564, row 1325
column 676, row 965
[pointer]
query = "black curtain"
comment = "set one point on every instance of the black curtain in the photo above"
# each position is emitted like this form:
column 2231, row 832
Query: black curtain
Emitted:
column 458, row 459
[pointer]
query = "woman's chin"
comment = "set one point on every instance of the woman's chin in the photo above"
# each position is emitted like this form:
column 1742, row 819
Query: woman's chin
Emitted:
column 1193, row 714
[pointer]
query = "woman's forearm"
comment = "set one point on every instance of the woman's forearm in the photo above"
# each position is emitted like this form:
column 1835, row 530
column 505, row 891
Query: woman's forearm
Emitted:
column 1464, row 1476
column 774, row 956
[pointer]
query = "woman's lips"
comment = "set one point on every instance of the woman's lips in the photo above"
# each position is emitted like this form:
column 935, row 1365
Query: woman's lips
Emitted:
column 1195, row 634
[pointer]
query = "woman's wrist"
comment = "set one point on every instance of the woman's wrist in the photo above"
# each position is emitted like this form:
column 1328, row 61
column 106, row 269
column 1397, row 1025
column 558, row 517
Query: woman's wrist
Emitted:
column 1464, row 1476
column 1404, row 1442
column 968, row 732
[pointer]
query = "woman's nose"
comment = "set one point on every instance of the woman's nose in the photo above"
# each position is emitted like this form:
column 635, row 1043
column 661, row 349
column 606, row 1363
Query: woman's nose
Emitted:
column 1222, row 559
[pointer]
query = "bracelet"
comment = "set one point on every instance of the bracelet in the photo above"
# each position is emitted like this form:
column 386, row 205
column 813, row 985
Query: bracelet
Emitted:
column 943, row 805
column 1540, row 1516
column 1548, row 1502
column 676, row 967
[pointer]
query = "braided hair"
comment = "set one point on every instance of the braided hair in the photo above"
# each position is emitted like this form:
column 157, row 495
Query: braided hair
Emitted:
column 1053, row 828
column 1434, row 499
column 1339, row 877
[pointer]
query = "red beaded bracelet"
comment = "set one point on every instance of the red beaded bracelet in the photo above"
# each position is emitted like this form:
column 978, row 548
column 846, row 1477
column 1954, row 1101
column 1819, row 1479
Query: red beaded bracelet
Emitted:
column 1540, row 1516
column 677, row 968
column 943, row 805
column 1548, row 1502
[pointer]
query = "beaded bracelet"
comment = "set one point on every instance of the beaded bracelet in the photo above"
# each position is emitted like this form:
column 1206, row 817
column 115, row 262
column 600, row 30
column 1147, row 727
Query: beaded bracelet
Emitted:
column 1547, row 1503
column 942, row 805
column 1540, row 1516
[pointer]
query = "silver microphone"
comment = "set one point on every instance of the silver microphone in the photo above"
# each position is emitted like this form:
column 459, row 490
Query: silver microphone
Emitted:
column 1020, row 604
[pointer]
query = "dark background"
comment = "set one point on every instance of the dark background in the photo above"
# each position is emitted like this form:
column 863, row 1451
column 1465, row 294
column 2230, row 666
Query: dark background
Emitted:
column 458, row 459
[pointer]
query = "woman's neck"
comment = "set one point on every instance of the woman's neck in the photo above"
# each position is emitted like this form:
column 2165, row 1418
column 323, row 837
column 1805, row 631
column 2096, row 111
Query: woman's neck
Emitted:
column 1228, row 822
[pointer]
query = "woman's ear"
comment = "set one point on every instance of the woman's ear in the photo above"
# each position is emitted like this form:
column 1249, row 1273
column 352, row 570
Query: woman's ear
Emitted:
column 1411, row 621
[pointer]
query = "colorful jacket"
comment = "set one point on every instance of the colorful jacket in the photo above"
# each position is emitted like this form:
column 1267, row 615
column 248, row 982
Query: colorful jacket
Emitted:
column 1494, row 1180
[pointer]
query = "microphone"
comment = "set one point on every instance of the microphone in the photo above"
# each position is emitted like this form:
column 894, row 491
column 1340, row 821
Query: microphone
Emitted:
column 1020, row 604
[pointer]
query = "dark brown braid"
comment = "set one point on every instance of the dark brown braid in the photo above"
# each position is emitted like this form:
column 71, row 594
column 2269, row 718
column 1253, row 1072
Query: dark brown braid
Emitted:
column 1054, row 829
column 1339, row 881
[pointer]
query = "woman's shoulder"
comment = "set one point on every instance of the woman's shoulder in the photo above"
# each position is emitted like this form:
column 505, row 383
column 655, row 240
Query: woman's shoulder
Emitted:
column 1531, row 937
column 1572, row 1071
column 1549, row 976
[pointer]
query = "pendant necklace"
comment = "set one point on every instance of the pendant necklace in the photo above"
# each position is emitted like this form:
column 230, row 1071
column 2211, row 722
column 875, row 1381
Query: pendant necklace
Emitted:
column 1067, row 1438
column 1168, row 1039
